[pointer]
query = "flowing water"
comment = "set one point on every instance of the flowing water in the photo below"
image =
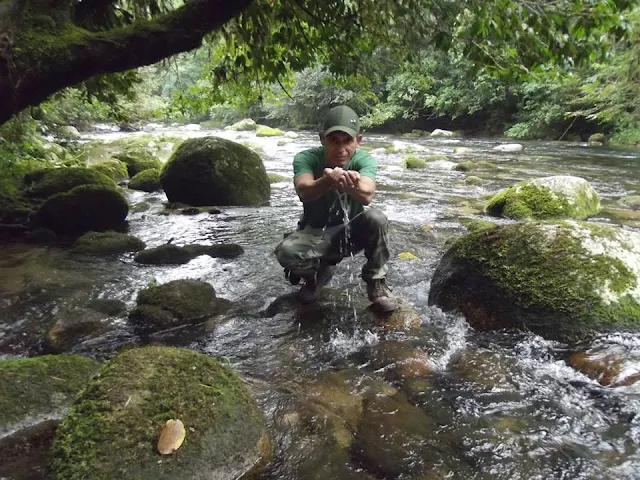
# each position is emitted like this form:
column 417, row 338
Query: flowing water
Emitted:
column 347, row 399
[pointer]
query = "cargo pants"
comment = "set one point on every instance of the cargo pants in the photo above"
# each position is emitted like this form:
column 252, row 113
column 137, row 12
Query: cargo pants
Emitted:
column 302, row 251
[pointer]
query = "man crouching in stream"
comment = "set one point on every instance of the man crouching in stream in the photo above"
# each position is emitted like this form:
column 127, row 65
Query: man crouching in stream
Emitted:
column 333, row 180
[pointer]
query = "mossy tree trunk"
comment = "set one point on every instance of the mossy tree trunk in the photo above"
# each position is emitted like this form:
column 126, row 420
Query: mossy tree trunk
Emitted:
column 42, row 51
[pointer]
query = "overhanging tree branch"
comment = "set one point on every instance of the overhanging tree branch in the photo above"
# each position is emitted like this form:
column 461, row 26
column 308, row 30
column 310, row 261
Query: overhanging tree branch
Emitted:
column 39, row 63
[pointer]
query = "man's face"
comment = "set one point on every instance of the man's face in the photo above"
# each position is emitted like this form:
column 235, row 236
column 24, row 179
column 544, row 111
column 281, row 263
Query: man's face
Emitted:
column 339, row 147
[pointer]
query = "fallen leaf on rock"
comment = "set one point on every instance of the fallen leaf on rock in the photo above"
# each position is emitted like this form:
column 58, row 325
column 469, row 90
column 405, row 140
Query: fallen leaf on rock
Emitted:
column 171, row 437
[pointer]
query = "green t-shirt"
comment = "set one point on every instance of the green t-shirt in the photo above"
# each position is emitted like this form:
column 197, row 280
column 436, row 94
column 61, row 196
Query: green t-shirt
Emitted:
column 326, row 211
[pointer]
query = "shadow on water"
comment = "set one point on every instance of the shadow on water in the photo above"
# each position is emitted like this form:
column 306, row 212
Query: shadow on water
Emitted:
column 348, row 394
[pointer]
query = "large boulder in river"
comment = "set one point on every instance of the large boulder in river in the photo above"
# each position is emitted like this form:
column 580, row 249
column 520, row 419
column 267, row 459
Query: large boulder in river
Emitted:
column 59, row 180
column 107, row 243
column 113, row 168
column 562, row 281
column 180, row 302
column 111, row 431
column 36, row 389
column 147, row 181
column 215, row 171
column 244, row 124
column 84, row 208
column 561, row 196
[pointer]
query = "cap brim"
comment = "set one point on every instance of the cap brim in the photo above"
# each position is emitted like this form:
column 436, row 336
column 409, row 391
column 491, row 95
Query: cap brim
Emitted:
column 338, row 128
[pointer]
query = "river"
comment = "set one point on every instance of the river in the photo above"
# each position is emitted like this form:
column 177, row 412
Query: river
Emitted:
column 347, row 399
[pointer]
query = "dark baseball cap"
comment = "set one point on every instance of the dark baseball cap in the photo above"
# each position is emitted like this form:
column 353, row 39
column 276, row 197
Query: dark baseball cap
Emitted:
column 342, row 119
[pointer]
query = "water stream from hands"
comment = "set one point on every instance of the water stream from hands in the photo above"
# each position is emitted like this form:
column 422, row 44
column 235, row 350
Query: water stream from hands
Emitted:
column 345, row 399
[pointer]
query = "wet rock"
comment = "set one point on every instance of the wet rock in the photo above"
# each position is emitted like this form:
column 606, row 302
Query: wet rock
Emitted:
column 482, row 367
column 400, row 360
column 265, row 131
column 180, row 302
column 36, row 389
column 462, row 150
column 396, row 439
column 25, row 454
column 113, row 168
column 138, row 160
column 597, row 139
column 107, row 243
column 41, row 236
column 509, row 147
column 140, row 207
column 275, row 178
column 60, row 180
column 562, row 281
column 243, row 125
column 632, row 202
column 84, row 208
column 110, row 431
column 146, row 181
column 413, row 162
column 479, row 165
column 442, row 133
column 473, row 180
column 292, row 135
column 108, row 306
column 215, row 171
column 334, row 391
column 404, row 318
column 608, row 369
column 72, row 325
column 170, row 254
column 561, row 196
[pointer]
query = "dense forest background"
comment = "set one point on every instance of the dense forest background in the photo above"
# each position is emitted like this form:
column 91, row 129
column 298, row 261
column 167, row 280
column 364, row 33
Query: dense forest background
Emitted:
column 559, row 70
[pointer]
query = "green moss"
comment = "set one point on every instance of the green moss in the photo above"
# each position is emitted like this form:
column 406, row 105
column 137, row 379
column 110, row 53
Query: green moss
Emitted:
column 111, row 431
column 468, row 166
column 115, row 169
column 558, row 276
column 186, row 299
column 436, row 158
column 39, row 385
column 265, row 131
column 275, row 178
column 528, row 201
column 147, row 181
column 413, row 162
column 60, row 180
column 138, row 160
column 105, row 243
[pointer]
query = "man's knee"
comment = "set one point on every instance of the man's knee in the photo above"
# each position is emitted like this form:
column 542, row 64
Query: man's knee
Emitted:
column 375, row 218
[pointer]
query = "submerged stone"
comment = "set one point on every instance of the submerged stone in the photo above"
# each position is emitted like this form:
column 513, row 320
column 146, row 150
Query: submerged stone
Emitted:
column 111, row 431
column 180, row 302
column 106, row 243
column 562, row 281
column 170, row 254
column 215, row 171
column 561, row 196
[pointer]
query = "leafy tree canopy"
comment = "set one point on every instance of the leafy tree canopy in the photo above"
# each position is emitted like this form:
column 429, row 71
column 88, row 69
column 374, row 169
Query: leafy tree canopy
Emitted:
column 46, row 46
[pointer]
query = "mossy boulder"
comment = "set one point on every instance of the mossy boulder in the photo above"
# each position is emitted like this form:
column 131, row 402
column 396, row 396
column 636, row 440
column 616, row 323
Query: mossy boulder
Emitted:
column 215, row 171
column 243, row 125
column 180, row 302
column 111, row 432
column 147, row 181
column 474, row 181
column 60, row 180
column 106, row 243
column 113, row 168
column 632, row 202
column 275, row 178
column 40, row 388
column 561, row 196
column 563, row 281
column 82, row 209
column 413, row 162
column 597, row 139
column 138, row 160
column 170, row 254
column 479, row 165
column 265, row 131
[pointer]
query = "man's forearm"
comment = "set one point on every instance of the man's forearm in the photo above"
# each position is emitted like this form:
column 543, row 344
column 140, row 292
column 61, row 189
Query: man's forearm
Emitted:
column 313, row 190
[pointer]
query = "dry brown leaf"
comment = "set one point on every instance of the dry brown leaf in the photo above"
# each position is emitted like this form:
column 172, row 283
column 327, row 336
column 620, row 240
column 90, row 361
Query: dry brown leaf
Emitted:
column 171, row 437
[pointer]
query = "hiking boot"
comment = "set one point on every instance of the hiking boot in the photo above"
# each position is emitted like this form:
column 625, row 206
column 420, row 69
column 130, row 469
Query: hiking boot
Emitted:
column 380, row 295
column 312, row 286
